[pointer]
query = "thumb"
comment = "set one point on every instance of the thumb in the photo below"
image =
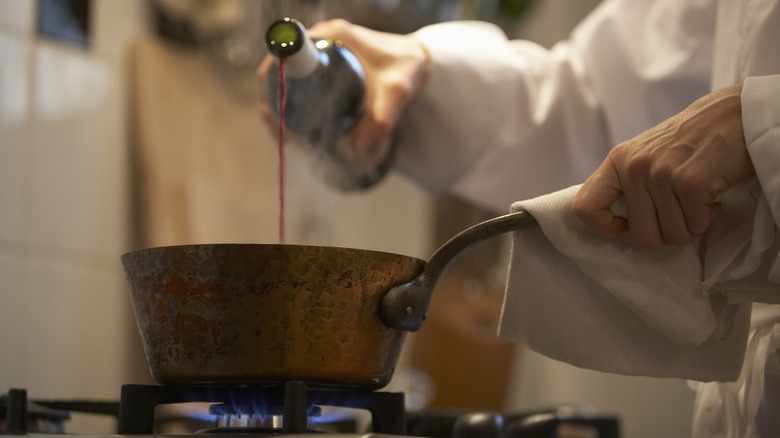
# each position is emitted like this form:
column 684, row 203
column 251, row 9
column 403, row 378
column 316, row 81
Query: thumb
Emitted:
column 594, row 201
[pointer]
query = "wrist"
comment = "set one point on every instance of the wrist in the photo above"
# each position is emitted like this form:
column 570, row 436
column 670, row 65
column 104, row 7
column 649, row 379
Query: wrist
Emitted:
column 721, row 112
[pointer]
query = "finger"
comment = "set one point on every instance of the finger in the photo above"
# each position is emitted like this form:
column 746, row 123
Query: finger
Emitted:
column 262, row 69
column 699, row 210
column 699, row 206
column 594, row 199
column 384, row 109
column 336, row 29
column 265, row 113
column 326, row 28
column 262, row 74
column 671, row 217
column 699, row 215
column 669, row 209
column 642, row 215
column 359, row 40
column 642, row 218
column 368, row 135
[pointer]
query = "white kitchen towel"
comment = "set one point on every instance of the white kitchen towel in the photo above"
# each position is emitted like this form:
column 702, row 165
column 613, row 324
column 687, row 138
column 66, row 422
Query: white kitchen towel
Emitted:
column 603, row 305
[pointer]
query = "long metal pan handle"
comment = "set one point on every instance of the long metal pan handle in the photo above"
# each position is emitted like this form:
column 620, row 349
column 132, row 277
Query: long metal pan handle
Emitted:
column 406, row 306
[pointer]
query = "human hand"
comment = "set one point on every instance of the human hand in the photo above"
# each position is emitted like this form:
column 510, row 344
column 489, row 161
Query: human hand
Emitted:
column 395, row 69
column 670, row 175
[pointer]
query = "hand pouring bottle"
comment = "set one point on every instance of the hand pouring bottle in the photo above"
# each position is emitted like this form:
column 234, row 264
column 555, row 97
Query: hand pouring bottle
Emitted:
column 325, row 96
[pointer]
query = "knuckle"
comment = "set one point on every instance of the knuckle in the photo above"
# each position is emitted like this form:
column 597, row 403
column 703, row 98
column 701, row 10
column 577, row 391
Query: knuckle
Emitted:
column 635, row 168
column 688, row 187
column 617, row 152
column 632, row 161
column 660, row 174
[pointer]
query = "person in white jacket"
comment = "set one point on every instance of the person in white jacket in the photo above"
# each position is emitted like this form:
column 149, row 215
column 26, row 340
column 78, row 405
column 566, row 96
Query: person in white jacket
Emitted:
column 665, row 103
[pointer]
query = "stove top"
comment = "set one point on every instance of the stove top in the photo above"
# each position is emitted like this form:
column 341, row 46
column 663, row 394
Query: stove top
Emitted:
column 290, row 410
column 295, row 435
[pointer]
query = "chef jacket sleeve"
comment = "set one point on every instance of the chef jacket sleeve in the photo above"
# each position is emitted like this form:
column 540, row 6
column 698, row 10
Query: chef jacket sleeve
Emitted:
column 741, row 257
column 761, row 125
column 502, row 120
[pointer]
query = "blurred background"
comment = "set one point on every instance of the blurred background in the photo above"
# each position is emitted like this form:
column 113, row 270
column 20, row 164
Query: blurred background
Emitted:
column 129, row 124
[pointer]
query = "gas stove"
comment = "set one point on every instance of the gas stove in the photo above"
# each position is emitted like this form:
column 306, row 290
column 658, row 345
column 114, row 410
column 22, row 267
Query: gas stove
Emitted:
column 290, row 410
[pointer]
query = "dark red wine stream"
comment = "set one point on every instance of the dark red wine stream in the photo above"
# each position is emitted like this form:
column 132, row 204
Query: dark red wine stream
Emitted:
column 281, row 102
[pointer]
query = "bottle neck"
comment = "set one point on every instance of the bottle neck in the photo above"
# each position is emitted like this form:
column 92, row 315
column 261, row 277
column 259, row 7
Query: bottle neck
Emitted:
column 303, row 62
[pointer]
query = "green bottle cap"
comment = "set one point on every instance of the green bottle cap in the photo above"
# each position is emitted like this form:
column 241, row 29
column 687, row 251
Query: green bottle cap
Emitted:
column 285, row 37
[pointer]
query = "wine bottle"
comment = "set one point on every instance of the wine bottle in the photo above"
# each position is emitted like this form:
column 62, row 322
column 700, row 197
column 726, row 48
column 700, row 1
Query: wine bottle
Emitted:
column 325, row 94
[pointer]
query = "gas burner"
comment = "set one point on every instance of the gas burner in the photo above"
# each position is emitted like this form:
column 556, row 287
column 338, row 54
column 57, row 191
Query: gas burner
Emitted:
column 229, row 418
column 289, row 409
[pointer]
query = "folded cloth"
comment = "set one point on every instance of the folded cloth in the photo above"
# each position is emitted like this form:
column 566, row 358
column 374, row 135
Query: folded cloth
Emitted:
column 603, row 305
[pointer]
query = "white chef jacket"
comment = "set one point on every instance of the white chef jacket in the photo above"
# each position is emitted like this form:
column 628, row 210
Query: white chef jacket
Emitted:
column 500, row 121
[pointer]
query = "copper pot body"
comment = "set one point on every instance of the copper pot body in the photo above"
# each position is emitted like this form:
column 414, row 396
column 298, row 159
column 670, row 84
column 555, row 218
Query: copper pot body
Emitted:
column 256, row 314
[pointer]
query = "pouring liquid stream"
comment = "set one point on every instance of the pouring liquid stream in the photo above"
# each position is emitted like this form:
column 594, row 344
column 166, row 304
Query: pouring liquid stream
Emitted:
column 281, row 102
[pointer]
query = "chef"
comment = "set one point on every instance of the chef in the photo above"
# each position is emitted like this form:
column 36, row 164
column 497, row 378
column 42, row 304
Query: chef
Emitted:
column 665, row 106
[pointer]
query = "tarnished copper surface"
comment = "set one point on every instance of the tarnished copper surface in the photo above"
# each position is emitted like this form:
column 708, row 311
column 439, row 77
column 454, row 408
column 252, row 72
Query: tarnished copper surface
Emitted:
column 250, row 313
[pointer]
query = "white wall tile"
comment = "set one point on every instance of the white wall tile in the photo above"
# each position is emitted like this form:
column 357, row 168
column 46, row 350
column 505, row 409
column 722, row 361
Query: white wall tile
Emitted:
column 17, row 14
column 13, row 80
column 66, row 327
column 78, row 181
column 12, row 340
column 14, row 92
column 73, row 319
column 69, row 82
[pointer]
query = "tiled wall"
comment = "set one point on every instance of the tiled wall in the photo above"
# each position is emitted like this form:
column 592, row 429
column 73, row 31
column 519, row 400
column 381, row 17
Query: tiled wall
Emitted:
column 64, row 311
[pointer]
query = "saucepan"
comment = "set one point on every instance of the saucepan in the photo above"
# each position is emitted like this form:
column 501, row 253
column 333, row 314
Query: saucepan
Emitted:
column 267, row 313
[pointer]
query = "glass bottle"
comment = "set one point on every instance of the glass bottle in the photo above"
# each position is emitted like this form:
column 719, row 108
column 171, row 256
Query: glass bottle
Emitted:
column 325, row 94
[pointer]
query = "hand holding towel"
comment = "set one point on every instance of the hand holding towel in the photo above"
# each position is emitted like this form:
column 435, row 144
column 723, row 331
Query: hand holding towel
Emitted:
column 603, row 305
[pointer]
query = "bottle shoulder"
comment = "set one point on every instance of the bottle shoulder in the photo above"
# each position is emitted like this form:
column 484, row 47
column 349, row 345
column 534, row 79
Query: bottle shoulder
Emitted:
column 334, row 63
column 350, row 59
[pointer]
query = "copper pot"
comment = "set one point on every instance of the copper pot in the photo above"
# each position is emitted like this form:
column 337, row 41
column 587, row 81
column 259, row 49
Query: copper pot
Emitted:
column 254, row 313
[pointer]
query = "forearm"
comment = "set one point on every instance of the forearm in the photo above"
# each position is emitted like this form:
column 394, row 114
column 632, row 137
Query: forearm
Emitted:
column 504, row 120
column 489, row 102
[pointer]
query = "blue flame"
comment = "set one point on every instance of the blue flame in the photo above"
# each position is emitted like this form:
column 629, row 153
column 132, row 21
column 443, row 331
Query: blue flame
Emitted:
column 327, row 406
column 205, row 412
